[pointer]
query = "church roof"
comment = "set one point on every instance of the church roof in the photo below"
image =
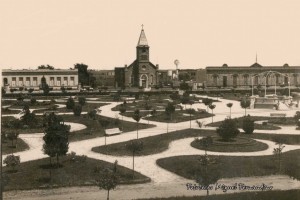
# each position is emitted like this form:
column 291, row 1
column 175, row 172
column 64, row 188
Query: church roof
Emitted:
column 142, row 40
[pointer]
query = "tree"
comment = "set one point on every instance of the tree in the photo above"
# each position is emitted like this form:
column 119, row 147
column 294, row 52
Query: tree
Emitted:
column 92, row 114
column 107, row 180
column 278, row 153
column 70, row 103
column 45, row 86
column 207, row 102
column 229, row 105
column 203, row 176
column 184, row 86
column 29, row 118
column 137, row 116
column 46, row 67
column 77, row 110
column 122, row 110
column 185, row 99
column 83, row 75
column 205, row 142
column 104, row 123
column 297, row 118
column 199, row 123
column 56, row 140
column 134, row 146
column 12, row 135
column 212, row 107
column 190, row 111
column 33, row 101
column 248, row 125
column 81, row 100
column 245, row 103
column 228, row 129
column 153, row 112
column 184, row 77
column 12, row 161
column 170, row 109
column 63, row 89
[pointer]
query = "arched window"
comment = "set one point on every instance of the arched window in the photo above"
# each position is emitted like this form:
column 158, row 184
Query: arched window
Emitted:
column 144, row 67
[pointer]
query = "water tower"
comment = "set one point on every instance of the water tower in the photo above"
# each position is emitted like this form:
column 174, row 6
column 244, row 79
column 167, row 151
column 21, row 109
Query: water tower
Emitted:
column 176, row 62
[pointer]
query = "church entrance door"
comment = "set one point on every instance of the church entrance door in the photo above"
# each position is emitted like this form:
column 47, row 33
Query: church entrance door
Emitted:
column 144, row 81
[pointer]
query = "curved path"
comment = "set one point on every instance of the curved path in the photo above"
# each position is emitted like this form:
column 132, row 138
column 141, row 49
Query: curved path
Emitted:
column 163, row 183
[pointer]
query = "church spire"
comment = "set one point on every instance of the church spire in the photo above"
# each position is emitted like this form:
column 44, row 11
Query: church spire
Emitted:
column 142, row 40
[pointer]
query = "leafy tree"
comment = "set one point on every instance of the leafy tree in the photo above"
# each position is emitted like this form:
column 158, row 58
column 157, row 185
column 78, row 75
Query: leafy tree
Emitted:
column 174, row 96
column 77, row 110
column 46, row 67
column 33, row 101
column 297, row 118
column 56, row 140
column 207, row 102
column 45, row 86
column 185, row 99
column 63, row 89
column 134, row 146
column 83, row 75
column 81, row 100
column 248, row 125
column 170, row 109
column 212, row 107
column 228, row 129
column 245, row 103
column 12, row 161
column 70, row 103
column 122, row 110
column 153, row 112
column 229, row 105
column 184, row 86
column 107, row 180
column 12, row 135
column 92, row 114
column 29, row 118
column 184, row 77
column 137, row 116
column 205, row 142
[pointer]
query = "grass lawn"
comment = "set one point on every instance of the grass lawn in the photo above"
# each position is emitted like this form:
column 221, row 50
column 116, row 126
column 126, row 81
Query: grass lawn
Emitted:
column 265, row 195
column 7, row 148
column 239, row 144
column 93, row 129
column 158, row 104
column 178, row 116
column 256, row 126
column 152, row 145
column 36, row 174
column 234, row 166
column 160, row 143
column 7, row 111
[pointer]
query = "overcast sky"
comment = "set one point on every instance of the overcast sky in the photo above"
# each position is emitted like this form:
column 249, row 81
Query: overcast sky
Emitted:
column 104, row 34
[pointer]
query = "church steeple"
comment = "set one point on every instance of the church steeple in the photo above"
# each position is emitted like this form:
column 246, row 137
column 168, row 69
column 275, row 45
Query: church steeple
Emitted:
column 142, row 48
column 142, row 40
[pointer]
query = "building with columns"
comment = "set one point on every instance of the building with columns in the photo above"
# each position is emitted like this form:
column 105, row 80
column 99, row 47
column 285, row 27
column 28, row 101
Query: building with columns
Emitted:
column 256, row 74
column 27, row 79
column 141, row 72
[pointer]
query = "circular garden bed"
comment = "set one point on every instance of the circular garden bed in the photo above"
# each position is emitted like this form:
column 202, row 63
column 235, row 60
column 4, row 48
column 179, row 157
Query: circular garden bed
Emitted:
column 238, row 144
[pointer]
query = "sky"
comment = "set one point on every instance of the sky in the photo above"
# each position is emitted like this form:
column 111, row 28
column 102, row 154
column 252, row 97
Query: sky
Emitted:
column 104, row 34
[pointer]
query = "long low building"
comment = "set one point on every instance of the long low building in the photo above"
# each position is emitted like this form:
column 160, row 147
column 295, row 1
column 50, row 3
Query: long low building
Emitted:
column 27, row 78
column 256, row 74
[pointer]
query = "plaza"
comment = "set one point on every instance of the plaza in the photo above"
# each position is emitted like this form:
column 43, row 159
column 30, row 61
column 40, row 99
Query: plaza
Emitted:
column 179, row 136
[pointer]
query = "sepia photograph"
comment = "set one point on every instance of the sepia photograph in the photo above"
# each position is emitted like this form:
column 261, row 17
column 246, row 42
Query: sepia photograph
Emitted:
column 150, row 100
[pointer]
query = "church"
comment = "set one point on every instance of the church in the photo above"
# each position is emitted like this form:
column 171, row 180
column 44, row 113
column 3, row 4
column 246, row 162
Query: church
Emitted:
column 141, row 72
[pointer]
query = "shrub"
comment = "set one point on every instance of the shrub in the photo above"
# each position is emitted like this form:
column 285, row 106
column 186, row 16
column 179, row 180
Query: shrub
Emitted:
column 81, row 101
column 228, row 129
column 12, row 161
column 77, row 110
column 33, row 101
column 248, row 125
column 70, row 103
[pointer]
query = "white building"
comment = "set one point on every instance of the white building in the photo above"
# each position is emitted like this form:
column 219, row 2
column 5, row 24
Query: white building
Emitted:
column 27, row 79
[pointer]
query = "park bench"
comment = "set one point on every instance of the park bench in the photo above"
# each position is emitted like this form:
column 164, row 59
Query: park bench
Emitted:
column 112, row 131
column 277, row 114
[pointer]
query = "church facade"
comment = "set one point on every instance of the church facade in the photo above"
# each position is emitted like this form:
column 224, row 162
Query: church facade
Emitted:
column 141, row 72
